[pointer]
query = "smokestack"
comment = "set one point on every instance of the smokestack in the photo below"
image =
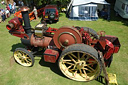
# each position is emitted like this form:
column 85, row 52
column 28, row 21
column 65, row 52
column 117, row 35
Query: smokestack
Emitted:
column 27, row 27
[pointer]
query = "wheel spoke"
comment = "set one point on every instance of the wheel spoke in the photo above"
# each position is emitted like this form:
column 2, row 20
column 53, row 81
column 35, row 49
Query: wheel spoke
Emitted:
column 87, row 69
column 68, row 63
column 83, row 56
column 70, row 66
column 71, row 69
column 87, row 58
column 25, row 55
column 85, row 73
column 27, row 59
column 72, row 58
column 67, row 60
column 75, row 73
column 80, row 72
column 22, row 61
column 21, row 53
column 92, row 63
column 18, row 56
column 78, row 56
column 91, row 68
column 18, row 53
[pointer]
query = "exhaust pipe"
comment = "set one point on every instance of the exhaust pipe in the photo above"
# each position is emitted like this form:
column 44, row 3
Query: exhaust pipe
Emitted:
column 14, row 23
column 10, row 26
column 27, row 27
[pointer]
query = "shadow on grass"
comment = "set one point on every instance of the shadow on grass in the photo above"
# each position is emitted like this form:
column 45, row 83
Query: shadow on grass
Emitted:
column 114, row 17
column 60, row 15
column 118, row 18
column 100, row 79
column 53, row 66
column 18, row 45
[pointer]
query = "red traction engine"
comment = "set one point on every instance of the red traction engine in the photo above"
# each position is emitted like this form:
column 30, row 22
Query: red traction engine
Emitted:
column 76, row 49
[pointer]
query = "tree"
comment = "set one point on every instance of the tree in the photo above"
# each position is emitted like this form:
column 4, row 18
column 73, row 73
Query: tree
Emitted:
column 46, row 2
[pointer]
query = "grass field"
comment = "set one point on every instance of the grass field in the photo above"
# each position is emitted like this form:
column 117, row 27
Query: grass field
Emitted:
column 43, row 73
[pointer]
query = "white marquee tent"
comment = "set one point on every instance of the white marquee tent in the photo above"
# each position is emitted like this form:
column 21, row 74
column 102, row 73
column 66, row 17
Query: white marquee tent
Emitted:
column 86, row 9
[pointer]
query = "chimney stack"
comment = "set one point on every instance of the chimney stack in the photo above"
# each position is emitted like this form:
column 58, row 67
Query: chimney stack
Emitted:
column 27, row 27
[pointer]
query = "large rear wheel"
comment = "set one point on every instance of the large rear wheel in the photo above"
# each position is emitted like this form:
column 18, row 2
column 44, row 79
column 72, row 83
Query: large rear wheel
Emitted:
column 92, row 32
column 23, row 57
column 80, row 62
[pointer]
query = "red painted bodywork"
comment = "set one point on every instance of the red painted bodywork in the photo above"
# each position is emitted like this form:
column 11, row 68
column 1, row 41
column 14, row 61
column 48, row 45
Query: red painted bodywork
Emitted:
column 106, row 44
column 17, row 22
column 112, row 45
column 51, row 55
column 51, row 30
column 17, row 28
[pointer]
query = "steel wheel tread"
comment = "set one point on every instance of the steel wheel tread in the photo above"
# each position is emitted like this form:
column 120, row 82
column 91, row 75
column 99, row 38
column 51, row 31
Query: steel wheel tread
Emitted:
column 23, row 57
column 78, row 69
column 91, row 31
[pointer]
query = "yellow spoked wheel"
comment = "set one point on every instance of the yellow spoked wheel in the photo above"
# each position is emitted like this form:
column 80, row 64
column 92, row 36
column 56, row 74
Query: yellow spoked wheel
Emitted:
column 23, row 57
column 80, row 62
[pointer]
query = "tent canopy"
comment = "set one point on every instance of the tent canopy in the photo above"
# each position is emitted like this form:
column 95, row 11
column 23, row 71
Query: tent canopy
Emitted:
column 85, row 9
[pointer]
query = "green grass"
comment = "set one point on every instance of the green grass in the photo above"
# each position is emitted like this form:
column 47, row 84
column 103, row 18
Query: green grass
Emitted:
column 43, row 73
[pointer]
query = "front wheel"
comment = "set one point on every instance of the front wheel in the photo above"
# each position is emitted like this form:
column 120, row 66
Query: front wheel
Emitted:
column 23, row 57
column 80, row 62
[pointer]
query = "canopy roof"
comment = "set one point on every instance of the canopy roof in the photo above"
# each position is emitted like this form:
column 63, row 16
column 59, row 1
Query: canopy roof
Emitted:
column 82, row 2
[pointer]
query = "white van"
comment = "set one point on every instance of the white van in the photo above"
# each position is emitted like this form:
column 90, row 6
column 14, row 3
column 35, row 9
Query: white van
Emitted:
column 121, row 7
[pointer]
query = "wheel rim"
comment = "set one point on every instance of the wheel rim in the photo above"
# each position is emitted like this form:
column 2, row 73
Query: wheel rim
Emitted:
column 22, row 58
column 79, row 66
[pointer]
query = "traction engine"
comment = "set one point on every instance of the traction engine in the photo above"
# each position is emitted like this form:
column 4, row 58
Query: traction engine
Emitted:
column 76, row 49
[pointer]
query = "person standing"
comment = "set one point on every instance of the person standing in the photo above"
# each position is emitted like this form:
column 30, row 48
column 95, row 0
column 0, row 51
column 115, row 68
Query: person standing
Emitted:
column 13, row 7
column 2, row 14
column 7, row 13
column 22, row 3
column 10, row 6
column 35, row 12
column 7, row 7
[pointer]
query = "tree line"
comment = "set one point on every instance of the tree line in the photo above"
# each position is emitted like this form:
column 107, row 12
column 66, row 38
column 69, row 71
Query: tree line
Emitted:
column 59, row 3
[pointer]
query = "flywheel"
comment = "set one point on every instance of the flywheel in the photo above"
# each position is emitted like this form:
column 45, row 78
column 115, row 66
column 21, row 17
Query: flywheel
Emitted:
column 66, row 36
